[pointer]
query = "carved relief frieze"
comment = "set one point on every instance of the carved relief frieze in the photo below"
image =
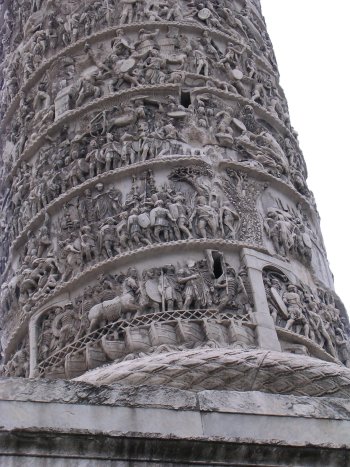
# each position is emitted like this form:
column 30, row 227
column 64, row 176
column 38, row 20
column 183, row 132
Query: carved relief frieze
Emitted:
column 39, row 34
column 111, row 139
column 150, row 180
column 309, row 312
column 137, row 310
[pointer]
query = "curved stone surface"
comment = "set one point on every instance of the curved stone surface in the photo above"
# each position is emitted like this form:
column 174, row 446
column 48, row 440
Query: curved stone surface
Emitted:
column 153, row 190
column 229, row 369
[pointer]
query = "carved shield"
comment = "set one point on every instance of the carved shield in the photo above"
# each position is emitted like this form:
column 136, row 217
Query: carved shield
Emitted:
column 307, row 240
column 239, row 124
column 204, row 14
column 279, row 302
column 127, row 65
column 177, row 114
column 144, row 220
column 152, row 291
column 237, row 74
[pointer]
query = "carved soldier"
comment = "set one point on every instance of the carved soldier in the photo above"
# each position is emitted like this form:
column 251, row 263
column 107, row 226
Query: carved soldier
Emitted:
column 86, row 207
column 160, row 221
column 153, row 68
column 110, row 153
column 190, row 292
column 43, row 240
column 66, row 326
column 93, row 158
column 87, row 245
column 180, row 213
column 46, row 342
column 127, row 14
column 70, row 257
column 128, row 154
column 201, row 63
column 167, row 287
column 106, row 204
column 123, row 231
column 134, row 228
column 227, row 283
column 295, row 310
column 174, row 11
column 108, row 239
column 205, row 217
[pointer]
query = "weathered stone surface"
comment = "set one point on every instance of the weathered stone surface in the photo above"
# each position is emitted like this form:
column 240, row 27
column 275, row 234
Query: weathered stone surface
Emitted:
column 159, row 245
column 154, row 193
column 229, row 369
column 71, row 392
column 182, row 427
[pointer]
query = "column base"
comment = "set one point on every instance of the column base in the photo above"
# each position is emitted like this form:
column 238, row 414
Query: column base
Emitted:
column 69, row 423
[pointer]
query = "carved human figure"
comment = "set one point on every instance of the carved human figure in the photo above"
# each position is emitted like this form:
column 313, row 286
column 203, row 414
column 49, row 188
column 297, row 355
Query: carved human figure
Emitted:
column 127, row 13
column 278, row 225
column 111, row 153
column 205, row 218
column 227, row 285
column 318, row 330
column 190, row 290
column 44, row 241
column 108, row 243
column 167, row 287
column 66, row 326
column 161, row 222
column 88, row 245
column 122, row 230
column 135, row 229
column 131, row 292
column 180, row 212
column 229, row 219
column 70, row 257
column 87, row 87
column 295, row 310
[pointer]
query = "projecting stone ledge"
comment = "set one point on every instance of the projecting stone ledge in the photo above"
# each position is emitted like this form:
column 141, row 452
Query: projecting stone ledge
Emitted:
column 65, row 423
column 229, row 369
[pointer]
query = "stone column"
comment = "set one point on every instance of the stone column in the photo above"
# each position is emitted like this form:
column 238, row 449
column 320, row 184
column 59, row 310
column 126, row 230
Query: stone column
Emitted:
column 154, row 193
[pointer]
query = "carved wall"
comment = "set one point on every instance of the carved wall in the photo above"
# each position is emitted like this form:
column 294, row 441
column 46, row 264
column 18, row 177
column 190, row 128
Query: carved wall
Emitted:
column 154, row 195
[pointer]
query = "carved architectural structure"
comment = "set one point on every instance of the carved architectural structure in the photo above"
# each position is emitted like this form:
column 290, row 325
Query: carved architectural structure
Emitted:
column 155, row 204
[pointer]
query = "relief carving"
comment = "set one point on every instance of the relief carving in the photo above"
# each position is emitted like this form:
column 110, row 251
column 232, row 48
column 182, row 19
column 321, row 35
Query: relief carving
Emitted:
column 307, row 312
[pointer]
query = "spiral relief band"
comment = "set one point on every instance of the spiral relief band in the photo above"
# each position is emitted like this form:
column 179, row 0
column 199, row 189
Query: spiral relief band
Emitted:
column 155, row 206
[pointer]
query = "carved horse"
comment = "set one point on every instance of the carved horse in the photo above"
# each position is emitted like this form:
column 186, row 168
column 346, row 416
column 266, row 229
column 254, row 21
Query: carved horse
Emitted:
column 111, row 310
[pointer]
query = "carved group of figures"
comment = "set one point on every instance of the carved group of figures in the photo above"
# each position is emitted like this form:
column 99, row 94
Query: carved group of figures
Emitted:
column 102, row 223
column 210, row 283
column 311, row 313
column 147, row 58
column 290, row 233
column 190, row 203
column 30, row 36
column 137, row 132
column 203, row 284
column 198, row 114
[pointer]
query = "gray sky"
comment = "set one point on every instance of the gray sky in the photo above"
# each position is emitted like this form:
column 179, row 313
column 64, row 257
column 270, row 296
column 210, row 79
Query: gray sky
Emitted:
column 311, row 39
